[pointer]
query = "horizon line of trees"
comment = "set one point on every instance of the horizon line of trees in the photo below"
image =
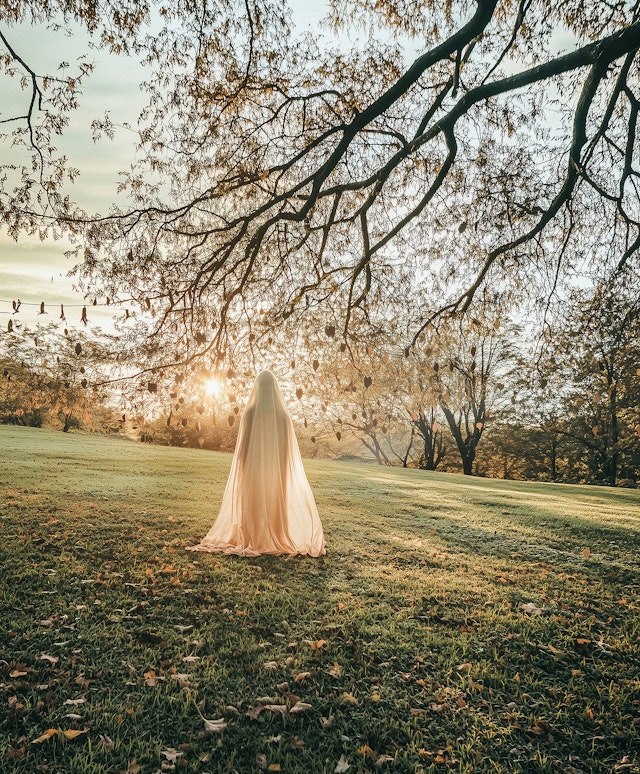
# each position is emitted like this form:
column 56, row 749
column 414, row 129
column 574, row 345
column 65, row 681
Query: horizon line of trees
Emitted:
column 470, row 399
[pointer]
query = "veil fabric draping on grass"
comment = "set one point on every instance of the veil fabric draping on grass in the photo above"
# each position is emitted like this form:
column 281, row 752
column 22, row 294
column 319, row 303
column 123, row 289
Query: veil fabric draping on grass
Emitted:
column 267, row 506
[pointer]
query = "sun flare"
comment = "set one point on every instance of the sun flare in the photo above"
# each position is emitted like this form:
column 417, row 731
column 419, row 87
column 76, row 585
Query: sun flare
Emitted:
column 213, row 387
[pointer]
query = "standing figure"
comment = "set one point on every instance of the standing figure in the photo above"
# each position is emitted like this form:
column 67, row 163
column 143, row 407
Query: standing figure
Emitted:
column 267, row 506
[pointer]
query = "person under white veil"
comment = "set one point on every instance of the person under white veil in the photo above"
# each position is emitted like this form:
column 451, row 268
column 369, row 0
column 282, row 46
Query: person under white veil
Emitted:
column 267, row 506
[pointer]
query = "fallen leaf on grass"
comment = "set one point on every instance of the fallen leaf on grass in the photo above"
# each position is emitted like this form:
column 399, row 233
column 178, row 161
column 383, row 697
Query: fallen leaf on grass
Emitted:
column 270, row 666
column 17, row 673
column 75, row 702
column 335, row 670
column 586, row 552
column 274, row 767
column 191, row 659
column 464, row 667
column 531, row 608
column 73, row 716
column 349, row 698
column 182, row 629
column 47, row 735
column 69, row 733
column 366, row 751
column 151, row 679
column 215, row 726
column 299, row 707
column 171, row 754
column 327, row 722
column 342, row 765
column 106, row 742
column 50, row 659
column 382, row 759
column 539, row 728
column 302, row 676
column 315, row 644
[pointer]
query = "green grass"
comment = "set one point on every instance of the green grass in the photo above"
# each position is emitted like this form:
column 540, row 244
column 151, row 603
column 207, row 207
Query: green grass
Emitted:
column 412, row 628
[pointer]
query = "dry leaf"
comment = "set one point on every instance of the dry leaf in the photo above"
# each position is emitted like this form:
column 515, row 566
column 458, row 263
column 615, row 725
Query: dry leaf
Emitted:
column 381, row 760
column 171, row 754
column 106, row 742
column 50, row 659
column 539, row 728
column 531, row 608
column 215, row 726
column 254, row 712
column 270, row 666
column 75, row 702
column 464, row 667
column 315, row 644
column 17, row 673
column 274, row 767
column 342, row 765
column 335, row 670
column 586, row 552
column 301, row 677
column 47, row 735
column 150, row 678
column 349, row 698
column 299, row 707
column 327, row 722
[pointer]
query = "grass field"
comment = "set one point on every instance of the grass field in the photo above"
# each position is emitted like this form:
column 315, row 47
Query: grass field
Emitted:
column 455, row 624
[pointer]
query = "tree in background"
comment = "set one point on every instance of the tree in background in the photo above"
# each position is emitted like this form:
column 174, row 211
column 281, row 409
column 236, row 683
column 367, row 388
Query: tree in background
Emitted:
column 595, row 366
column 52, row 379
column 465, row 375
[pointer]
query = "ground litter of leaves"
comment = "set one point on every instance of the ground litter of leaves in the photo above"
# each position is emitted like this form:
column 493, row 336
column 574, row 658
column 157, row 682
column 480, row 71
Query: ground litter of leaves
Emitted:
column 455, row 625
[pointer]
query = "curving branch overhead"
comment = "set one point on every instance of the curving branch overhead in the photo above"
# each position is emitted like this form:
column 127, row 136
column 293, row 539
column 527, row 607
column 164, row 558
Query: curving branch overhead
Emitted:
column 409, row 157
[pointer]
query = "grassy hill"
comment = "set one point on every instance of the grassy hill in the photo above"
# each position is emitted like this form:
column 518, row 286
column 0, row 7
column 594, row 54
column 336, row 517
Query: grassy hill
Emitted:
column 455, row 624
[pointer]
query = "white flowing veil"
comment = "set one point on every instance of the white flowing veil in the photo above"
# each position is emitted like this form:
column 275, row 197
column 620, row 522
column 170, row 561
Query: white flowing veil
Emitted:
column 267, row 506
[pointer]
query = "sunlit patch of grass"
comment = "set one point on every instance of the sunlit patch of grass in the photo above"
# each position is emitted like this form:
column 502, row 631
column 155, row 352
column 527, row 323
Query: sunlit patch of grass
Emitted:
column 410, row 640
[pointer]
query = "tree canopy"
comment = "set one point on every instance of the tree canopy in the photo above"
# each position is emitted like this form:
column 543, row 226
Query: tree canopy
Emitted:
column 415, row 153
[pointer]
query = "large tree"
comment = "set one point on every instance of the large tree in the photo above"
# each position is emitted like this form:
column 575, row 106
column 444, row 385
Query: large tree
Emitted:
column 456, row 142
column 592, row 366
